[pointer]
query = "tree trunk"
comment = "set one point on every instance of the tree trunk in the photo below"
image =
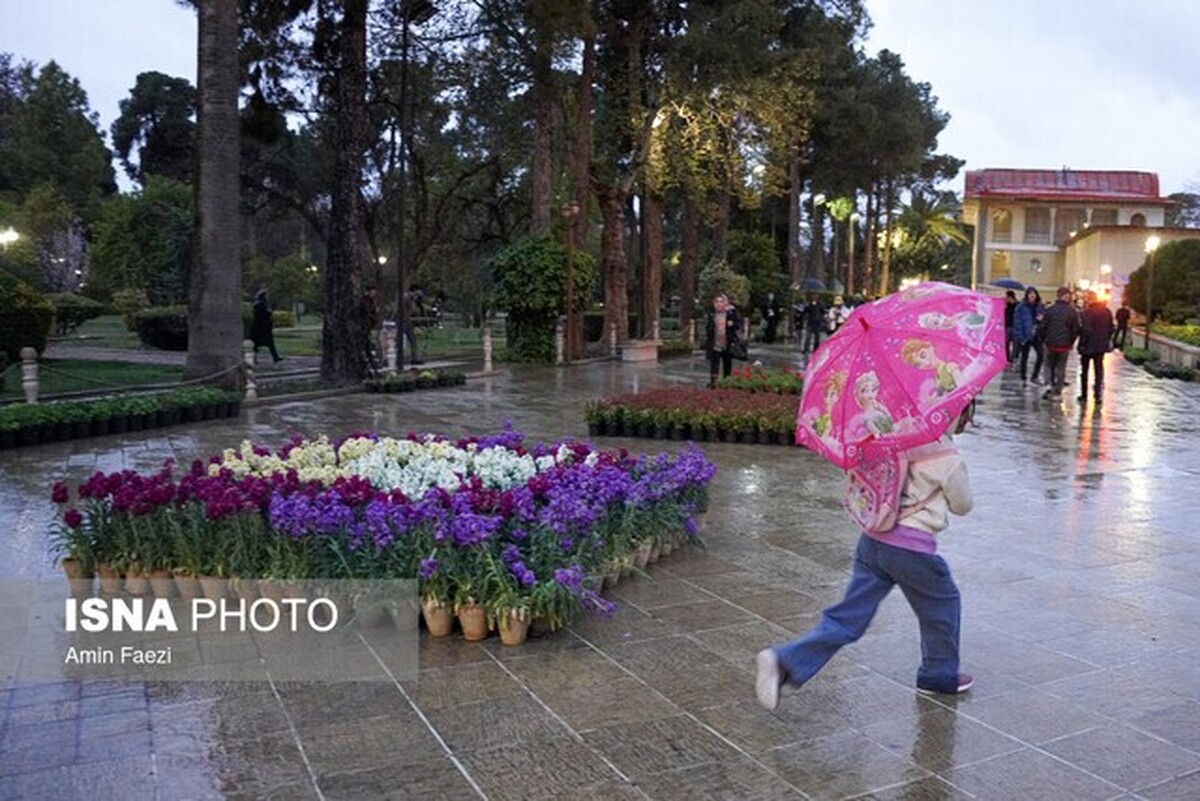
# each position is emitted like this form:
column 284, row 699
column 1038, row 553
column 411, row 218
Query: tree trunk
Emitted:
column 869, row 228
column 795, row 184
column 817, row 256
column 344, row 334
column 541, row 177
column 889, row 201
column 214, row 308
column 652, row 258
column 721, row 229
column 688, row 257
column 583, row 139
column 613, row 261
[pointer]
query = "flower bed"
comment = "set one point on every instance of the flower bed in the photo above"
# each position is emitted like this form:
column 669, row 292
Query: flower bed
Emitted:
column 38, row 423
column 720, row 415
column 413, row 380
column 517, row 532
column 779, row 380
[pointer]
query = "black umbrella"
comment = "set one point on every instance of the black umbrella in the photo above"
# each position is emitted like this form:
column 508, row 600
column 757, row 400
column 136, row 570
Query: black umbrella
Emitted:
column 1008, row 283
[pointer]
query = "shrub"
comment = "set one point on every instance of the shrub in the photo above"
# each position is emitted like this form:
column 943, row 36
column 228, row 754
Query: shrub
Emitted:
column 128, row 302
column 1167, row 370
column 282, row 318
column 72, row 311
column 1140, row 355
column 163, row 327
column 674, row 347
column 25, row 317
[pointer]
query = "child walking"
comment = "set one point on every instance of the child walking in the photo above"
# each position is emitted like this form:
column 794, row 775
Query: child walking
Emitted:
column 905, row 556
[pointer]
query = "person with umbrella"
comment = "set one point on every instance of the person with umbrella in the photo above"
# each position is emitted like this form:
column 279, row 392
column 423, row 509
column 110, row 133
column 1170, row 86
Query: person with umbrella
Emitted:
column 931, row 481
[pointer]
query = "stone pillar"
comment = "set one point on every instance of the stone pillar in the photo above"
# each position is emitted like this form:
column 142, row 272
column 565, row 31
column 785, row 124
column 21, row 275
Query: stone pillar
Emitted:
column 487, row 348
column 559, row 344
column 691, row 335
column 29, row 374
column 654, row 331
column 248, row 359
column 612, row 340
column 388, row 335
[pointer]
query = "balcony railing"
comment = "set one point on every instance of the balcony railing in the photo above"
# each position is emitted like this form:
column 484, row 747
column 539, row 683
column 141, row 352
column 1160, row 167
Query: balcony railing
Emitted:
column 1032, row 238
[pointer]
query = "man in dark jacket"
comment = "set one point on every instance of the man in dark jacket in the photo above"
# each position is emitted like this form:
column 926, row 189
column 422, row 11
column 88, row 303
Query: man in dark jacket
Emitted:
column 1060, row 329
column 1095, row 339
column 1122, row 326
column 814, row 324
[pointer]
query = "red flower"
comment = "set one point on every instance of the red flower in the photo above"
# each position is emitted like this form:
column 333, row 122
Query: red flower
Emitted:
column 73, row 518
column 60, row 494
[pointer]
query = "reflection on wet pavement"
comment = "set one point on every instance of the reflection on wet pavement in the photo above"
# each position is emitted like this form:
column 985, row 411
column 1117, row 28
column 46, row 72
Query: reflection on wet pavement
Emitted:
column 1079, row 571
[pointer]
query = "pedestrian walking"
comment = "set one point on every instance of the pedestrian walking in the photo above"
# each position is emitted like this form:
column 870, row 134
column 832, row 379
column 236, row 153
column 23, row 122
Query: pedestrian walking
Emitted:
column 1027, row 322
column 814, row 324
column 906, row 556
column 722, row 336
column 262, row 326
column 1010, row 330
column 1095, row 340
column 836, row 316
column 1060, row 329
column 1122, row 326
column 771, row 313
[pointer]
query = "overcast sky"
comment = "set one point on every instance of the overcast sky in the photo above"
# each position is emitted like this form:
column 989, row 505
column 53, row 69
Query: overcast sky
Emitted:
column 1088, row 84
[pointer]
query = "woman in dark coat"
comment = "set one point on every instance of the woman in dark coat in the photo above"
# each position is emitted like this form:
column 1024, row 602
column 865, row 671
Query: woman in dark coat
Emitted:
column 722, row 329
column 262, row 327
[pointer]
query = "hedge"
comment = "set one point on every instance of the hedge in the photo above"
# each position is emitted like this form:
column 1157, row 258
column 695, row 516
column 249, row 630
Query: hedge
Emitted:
column 72, row 311
column 25, row 317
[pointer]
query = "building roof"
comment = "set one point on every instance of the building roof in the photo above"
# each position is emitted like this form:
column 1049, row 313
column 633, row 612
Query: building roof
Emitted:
column 1106, row 186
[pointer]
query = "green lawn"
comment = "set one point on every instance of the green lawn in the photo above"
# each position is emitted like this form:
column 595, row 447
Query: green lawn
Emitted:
column 74, row 375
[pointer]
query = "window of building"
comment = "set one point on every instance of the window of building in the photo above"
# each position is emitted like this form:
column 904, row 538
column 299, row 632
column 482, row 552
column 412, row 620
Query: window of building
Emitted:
column 1068, row 221
column 1037, row 225
column 1138, row 220
column 1001, row 225
column 1001, row 266
column 1104, row 216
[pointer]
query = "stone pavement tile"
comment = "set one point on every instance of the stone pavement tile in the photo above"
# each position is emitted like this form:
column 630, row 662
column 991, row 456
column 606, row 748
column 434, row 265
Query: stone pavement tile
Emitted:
column 704, row 686
column 1124, row 756
column 434, row 777
column 1174, row 671
column 605, row 703
column 1175, row 723
column 703, row 615
column 564, row 671
column 39, row 713
column 736, row 778
column 43, row 693
column 1113, row 646
column 367, row 743
column 552, row 766
column 310, row 704
column 777, row 605
column 642, row 749
column 1031, row 663
column 738, row 644
column 1183, row 788
column 1113, row 694
column 1036, row 624
column 487, row 724
column 930, row 788
column 534, row 646
column 115, row 746
column 257, row 765
column 1028, row 775
column 462, row 684
column 739, row 582
column 446, row 651
column 653, row 592
column 857, row 700
column 662, row 658
column 38, row 746
column 186, row 776
column 692, row 563
column 626, row 625
column 940, row 739
column 1033, row 716
column 752, row 728
column 840, row 765
column 294, row 791
column 125, row 778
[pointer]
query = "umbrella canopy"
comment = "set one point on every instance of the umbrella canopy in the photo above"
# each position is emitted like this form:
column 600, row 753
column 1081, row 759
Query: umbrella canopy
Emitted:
column 1008, row 283
column 810, row 285
column 899, row 371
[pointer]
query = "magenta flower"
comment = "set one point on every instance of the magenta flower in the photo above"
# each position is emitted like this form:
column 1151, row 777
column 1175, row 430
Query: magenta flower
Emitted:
column 60, row 493
column 73, row 518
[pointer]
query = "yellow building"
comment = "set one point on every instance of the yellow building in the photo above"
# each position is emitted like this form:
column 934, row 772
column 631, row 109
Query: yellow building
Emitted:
column 1085, row 229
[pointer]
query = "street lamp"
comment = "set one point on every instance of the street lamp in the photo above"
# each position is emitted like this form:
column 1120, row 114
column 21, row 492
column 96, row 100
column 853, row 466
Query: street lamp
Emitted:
column 8, row 236
column 1152, row 242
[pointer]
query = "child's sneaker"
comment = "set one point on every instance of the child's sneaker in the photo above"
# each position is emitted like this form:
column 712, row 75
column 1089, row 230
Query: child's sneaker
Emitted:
column 965, row 681
column 770, row 679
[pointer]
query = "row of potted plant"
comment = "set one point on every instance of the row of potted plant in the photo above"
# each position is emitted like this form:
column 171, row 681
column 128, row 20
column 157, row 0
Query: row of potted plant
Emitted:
column 688, row 413
column 412, row 380
column 780, row 380
column 497, row 532
column 37, row 423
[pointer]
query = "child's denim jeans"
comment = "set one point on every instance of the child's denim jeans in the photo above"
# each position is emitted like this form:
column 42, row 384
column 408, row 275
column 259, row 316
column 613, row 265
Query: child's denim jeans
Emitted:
column 925, row 581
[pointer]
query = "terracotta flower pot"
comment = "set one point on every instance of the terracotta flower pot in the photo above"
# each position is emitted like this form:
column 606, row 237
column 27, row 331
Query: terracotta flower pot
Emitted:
column 162, row 584
column 513, row 629
column 655, row 551
column 438, row 618
column 79, row 581
column 641, row 557
column 137, row 582
column 188, row 586
column 213, row 587
column 473, row 621
column 110, row 579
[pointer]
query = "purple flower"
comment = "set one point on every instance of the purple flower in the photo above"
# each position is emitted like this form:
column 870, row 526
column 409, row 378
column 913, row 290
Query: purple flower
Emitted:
column 73, row 518
column 570, row 577
column 60, row 493
column 429, row 566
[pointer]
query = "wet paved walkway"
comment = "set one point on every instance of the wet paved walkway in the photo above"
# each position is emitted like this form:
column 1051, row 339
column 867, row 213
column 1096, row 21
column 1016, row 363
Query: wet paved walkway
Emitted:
column 1079, row 568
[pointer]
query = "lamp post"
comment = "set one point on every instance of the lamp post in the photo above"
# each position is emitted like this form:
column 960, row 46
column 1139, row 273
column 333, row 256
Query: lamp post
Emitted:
column 1152, row 243
column 7, row 237
column 570, row 212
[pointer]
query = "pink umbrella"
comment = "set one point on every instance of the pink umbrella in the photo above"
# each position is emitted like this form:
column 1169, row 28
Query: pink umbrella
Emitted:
column 899, row 371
